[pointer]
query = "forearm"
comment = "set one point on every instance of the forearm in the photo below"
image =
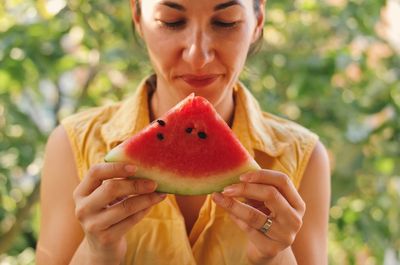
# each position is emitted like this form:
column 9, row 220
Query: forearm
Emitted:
column 284, row 257
column 83, row 256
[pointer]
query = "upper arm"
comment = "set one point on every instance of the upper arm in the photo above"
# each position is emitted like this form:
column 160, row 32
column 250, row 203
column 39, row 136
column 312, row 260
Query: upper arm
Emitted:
column 310, row 246
column 60, row 232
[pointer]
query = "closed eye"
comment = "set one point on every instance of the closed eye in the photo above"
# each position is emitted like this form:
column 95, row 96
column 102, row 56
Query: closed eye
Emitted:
column 181, row 23
column 223, row 24
column 174, row 24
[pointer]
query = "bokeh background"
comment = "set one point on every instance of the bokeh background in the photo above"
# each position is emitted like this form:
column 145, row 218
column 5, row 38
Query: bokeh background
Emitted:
column 331, row 65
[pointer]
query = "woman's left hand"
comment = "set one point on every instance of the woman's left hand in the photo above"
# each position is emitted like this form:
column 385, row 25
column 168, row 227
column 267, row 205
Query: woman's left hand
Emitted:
column 272, row 202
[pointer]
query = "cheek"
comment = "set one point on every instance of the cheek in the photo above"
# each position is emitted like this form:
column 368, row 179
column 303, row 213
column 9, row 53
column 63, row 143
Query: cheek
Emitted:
column 162, row 49
column 233, row 50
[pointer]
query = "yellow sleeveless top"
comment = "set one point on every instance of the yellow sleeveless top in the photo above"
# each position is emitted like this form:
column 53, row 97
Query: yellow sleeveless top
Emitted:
column 161, row 238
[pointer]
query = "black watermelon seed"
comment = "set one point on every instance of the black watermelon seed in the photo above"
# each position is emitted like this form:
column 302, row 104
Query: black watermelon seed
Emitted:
column 160, row 136
column 161, row 122
column 189, row 130
column 202, row 135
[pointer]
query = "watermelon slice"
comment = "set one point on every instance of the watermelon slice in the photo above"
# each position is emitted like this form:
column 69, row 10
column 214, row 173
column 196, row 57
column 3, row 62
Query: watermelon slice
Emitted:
column 188, row 151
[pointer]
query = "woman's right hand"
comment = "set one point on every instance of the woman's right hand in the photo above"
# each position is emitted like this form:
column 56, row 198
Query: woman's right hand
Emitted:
column 108, row 204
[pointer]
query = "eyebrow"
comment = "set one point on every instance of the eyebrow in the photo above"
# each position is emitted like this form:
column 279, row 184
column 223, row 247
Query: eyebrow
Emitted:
column 226, row 5
column 216, row 8
column 173, row 5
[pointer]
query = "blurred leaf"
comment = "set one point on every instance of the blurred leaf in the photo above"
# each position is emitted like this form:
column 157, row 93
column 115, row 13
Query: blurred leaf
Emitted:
column 329, row 65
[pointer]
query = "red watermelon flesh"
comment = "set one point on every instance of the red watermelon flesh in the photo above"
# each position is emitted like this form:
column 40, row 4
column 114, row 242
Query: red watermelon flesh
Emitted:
column 188, row 151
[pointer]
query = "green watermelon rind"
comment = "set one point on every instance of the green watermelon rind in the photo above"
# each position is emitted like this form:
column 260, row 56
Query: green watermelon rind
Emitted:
column 168, row 182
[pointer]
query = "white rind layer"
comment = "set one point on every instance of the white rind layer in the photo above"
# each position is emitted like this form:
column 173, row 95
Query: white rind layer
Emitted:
column 171, row 183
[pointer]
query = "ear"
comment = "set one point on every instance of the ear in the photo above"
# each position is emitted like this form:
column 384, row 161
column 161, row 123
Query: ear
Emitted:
column 136, row 13
column 259, row 22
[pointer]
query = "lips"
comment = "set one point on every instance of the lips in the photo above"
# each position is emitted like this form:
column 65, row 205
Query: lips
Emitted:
column 199, row 80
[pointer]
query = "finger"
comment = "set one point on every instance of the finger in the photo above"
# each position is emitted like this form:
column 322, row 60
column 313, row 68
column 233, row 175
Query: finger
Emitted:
column 269, row 195
column 114, row 190
column 120, row 229
column 248, row 214
column 117, row 231
column 259, row 205
column 126, row 208
column 241, row 224
column 287, row 219
column 277, row 233
column 100, row 172
column 283, row 230
column 279, row 180
column 276, row 206
column 267, row 246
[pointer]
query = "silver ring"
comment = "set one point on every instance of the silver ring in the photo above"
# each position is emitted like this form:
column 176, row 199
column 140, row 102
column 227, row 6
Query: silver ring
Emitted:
column 265, row 228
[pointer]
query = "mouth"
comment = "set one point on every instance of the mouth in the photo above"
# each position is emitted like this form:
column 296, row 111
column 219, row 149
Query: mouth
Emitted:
column 199, row 80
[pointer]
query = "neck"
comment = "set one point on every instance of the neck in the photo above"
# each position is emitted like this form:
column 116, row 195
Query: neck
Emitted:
column 162, row 100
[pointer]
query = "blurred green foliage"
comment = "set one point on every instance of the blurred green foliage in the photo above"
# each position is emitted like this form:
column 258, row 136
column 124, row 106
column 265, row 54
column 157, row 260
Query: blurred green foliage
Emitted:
column 330, row 65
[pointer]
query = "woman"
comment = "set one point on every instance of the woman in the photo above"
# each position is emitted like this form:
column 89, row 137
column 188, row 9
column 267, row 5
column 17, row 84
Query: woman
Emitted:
column 88, row 215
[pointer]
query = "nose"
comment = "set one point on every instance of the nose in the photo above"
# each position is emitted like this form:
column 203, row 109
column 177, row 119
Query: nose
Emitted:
column 198, row 51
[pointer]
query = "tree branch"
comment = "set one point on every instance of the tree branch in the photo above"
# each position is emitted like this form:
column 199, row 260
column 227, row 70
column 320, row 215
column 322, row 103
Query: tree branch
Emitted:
column 23, row 213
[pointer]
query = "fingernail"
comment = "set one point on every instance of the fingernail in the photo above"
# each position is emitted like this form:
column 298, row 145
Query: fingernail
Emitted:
column 228, row 190
column 150, row 185
column 218, row 197
column 130, row 168
column 162, row 195
column 244, row 177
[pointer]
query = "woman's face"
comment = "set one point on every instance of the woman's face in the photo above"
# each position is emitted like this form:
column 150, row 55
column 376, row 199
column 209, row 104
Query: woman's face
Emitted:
column 198, row 46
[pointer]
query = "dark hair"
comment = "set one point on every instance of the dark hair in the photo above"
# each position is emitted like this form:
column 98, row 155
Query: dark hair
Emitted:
column 254, row 48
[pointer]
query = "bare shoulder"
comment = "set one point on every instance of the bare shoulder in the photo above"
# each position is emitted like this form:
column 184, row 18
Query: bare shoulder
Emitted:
column 310, row 246
column 315, row 185
column 59, row 163
column 58, row 141
column 60, row 232
column 319, row 159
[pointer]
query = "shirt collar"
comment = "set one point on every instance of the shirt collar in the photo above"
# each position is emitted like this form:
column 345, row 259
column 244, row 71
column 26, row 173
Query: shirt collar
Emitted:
column 252, row 126
column 131, row 116
column 249, row 123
